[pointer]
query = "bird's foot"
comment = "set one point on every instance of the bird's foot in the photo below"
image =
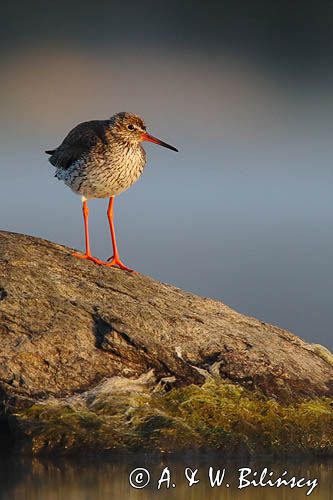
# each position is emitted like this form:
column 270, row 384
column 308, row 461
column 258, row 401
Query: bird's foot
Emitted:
column 115, row 261
column 88, row 257
column 111, row 262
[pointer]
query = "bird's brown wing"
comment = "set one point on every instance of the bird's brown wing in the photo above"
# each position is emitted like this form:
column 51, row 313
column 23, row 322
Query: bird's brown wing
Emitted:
column 80, row 140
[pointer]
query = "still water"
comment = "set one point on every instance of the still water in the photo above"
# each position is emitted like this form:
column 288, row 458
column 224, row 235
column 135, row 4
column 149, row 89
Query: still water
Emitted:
column 105, row 478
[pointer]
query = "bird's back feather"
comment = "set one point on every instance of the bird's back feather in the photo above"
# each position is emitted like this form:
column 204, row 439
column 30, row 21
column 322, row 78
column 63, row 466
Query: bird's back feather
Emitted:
column 80, row 140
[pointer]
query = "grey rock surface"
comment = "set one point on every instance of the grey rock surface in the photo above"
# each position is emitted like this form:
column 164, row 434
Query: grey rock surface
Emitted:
column 66, row 325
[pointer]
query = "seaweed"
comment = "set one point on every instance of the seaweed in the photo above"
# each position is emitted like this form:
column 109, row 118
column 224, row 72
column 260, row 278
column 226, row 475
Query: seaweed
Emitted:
column 215, row 416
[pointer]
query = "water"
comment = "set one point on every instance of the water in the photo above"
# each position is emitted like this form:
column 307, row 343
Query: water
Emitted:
column 104, row 479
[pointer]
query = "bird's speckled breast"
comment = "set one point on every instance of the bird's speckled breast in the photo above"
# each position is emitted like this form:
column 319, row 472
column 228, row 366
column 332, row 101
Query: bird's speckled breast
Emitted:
column 106, row 170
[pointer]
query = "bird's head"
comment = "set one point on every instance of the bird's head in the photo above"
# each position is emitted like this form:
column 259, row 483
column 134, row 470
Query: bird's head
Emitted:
column 131, row 128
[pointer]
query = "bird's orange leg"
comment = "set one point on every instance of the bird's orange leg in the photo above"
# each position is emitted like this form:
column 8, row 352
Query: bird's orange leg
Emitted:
column 87, row 255
column 114, row 260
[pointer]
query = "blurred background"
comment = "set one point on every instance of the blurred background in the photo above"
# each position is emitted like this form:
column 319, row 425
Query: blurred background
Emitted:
column 243, row 213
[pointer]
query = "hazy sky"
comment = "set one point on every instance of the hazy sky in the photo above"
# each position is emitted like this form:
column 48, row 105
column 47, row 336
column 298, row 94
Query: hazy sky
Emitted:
column 243, row 212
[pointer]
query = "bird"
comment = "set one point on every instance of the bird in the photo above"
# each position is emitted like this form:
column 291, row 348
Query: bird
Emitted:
column 101, row 159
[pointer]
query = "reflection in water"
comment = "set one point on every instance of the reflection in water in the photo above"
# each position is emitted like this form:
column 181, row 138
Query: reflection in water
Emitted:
column 105, row 478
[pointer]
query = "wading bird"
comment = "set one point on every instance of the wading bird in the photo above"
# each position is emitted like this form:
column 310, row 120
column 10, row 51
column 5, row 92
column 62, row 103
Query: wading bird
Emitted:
column 100, row 159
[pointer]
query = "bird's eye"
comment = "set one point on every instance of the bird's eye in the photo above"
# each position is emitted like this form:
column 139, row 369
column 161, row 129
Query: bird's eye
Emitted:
column 130, row 127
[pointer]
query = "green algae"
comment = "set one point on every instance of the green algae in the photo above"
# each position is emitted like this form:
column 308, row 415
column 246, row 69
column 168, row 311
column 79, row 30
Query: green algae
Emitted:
column 229, row 417
column 215, row 416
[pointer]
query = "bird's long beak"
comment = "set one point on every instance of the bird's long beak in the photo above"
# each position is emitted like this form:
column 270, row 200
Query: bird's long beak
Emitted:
column 150, row 138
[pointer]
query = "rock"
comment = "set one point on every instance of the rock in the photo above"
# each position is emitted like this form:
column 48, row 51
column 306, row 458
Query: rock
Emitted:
column 67, row 326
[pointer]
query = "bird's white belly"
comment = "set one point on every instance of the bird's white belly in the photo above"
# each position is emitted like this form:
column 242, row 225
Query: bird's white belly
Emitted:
column 102, row 179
